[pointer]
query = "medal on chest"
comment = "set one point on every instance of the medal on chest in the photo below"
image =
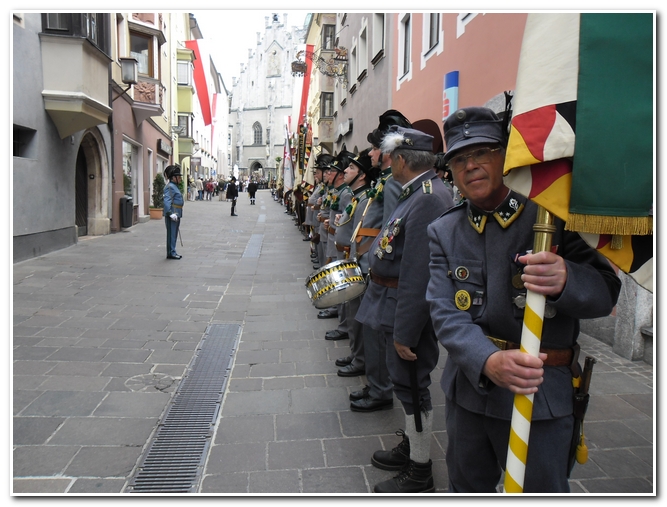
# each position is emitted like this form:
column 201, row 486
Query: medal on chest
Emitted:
column 391, row 230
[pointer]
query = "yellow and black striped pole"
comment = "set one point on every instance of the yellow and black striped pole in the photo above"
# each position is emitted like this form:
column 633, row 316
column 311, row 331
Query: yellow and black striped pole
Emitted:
column 531, row 336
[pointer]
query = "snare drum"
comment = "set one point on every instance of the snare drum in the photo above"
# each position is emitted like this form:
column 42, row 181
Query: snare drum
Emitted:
column 336, row 283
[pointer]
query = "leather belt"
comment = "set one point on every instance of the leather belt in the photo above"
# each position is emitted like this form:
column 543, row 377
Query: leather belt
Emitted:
column 332, row 230
column 555, row 357
column 342, row 248
column 367, row 232
column 384, row 281
column 177, row 205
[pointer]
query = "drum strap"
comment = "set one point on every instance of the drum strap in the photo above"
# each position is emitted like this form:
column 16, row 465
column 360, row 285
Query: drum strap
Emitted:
column 342, row 248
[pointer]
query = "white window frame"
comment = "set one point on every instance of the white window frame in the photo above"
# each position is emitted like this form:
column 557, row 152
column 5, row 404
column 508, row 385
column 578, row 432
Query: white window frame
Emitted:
column 179, row 65
column 362, row 51
column 352, row 67
column 378, row 35
column 404, row 19
column 462, row 20
column 427, row 50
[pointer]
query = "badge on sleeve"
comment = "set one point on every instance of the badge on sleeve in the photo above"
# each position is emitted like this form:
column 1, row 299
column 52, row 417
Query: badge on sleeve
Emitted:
column 462, row 300
column 461, row 273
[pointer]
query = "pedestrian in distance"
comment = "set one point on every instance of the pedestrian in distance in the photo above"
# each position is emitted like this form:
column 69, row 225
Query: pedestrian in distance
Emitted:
column 252, row 190
column 232, row 193
column 480, row 270
column 173, row 208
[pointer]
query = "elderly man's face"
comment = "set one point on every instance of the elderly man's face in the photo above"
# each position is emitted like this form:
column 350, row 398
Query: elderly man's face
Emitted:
column 480, row 178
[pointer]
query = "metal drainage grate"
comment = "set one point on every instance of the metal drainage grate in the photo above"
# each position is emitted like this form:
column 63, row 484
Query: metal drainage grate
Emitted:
column 174, row 459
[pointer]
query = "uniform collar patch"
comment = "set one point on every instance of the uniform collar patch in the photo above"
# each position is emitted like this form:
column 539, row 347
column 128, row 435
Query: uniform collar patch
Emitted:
column 508, row 211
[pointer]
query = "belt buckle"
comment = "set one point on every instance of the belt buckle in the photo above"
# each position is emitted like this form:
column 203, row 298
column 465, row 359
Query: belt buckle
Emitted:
column 501, row 344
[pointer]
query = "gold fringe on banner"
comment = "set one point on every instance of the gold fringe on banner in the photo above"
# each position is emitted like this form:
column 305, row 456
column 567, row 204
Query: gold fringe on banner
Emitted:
column 620, row 226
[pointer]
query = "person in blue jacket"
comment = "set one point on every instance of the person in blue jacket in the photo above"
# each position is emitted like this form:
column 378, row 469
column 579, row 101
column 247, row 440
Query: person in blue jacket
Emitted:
column 173, row 208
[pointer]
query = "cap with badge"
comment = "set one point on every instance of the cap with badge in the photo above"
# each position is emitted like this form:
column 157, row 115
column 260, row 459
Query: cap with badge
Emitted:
column 406, row 139
column 469, row 126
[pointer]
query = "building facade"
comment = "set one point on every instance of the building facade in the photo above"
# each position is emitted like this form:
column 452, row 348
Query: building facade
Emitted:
column 367, row 95
column 62, row 143
column 262, row 99
column 90, row 133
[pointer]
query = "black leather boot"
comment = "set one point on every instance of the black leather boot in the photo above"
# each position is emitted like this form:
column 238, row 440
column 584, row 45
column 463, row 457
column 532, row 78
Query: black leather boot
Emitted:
column 414, row 478
column 395, row 459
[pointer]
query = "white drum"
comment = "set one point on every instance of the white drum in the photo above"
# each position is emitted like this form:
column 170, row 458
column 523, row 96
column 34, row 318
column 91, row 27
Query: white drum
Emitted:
column 335, row 283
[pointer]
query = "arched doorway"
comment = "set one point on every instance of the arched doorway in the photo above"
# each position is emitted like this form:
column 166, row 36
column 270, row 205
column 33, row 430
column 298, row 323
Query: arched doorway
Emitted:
column 81, row 192
column 92, row 186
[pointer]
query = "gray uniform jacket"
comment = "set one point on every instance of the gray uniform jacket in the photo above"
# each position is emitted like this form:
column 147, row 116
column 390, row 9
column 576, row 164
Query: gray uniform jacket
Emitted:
column 340, row 198
column 362, row 201
column 324, row 212
column 312, row 201
column 401, row 251
column 173, row 200
column 474, row 252
column 350, row 216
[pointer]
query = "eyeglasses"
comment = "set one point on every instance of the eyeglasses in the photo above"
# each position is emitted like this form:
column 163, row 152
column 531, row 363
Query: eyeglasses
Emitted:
column 479, row 156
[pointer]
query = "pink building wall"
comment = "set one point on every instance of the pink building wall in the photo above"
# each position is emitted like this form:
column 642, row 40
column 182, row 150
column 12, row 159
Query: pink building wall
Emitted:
column 486, row 56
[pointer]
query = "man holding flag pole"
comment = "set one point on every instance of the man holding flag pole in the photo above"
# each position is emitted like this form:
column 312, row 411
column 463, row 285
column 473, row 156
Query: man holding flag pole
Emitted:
column 481, row 268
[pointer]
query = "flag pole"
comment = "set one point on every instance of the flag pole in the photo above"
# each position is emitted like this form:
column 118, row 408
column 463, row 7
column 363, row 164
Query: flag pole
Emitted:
column 531, row 336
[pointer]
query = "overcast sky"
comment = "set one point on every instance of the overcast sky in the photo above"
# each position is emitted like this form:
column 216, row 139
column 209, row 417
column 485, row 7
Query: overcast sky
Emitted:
column 230, row 33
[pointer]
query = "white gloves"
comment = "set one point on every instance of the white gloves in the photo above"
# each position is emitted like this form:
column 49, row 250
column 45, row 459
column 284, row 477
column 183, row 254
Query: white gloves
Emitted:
column 174, row 217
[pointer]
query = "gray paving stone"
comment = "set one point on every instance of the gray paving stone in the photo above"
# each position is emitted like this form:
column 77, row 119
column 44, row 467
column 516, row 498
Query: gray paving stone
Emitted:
column 350, row 451
column 28, row 382
column 34, row 430
column 334, row 480
column 104, row 462
column 274, row 481
column 136, row 404
column 245, row 429
column 77, row 368
column 64, row 403
column 72, row 383
column 42, row 460
column 225, row 483
column 298, row 454
column 308, row 426
column 618, row 485
column 319, row 399
column 612, row 434
column 52, row 486
column 97, row 486
column 230, row 458
column 79, row 354
column 103, row 431
column 263, row 402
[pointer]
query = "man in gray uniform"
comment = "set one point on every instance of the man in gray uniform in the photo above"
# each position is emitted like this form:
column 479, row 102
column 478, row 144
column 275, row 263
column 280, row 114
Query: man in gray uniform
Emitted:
column 378, row 394
column 323, row 160
column 395, row 302
column 358, row 178
column 323, row 202
column 480, row 270
column 341, row 195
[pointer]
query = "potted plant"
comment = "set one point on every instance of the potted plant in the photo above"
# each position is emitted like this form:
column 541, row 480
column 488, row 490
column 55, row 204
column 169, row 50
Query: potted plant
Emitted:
column 158, row 197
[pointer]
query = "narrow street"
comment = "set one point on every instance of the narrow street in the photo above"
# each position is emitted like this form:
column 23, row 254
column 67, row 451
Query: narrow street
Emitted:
column 104, row 332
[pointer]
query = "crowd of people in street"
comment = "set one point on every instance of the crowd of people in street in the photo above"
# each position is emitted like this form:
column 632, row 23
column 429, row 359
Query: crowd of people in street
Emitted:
column 445, row 251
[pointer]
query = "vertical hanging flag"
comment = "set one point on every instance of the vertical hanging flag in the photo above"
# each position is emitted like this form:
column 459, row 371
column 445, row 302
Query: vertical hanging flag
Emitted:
column 288, row 167
column 589, row 77
column 450, row 94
